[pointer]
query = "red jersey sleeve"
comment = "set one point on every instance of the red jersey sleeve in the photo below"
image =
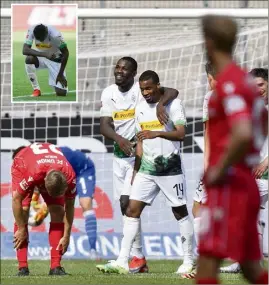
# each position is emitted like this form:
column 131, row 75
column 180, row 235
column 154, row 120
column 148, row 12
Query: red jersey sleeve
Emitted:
column 235, row 103
column 21, row 180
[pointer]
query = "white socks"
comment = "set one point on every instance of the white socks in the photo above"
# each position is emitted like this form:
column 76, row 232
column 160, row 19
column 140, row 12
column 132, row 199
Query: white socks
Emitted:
column 31, row 73
column 196, row 226
column 130, row 230
column 137, row 243
column 186, row 232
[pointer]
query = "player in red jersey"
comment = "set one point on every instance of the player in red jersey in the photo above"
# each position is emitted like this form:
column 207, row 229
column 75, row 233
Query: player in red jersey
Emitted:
column 237, row 129
column 43, row 166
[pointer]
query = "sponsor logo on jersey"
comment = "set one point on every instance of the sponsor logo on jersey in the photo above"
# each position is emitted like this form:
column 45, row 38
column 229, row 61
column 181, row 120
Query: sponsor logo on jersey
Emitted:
column 24, row 185
column 123, row 115
column 43, row 46
column 149, row 126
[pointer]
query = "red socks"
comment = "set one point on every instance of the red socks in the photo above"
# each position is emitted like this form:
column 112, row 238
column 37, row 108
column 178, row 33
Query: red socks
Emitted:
column 23, row 251
column 56, row 232
column 207, row 281
column 263, row 279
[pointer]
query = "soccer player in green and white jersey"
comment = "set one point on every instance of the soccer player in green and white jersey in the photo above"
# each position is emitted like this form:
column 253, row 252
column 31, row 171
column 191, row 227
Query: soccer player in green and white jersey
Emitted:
column 158, row 167
column 117, row 123
column 50, row 52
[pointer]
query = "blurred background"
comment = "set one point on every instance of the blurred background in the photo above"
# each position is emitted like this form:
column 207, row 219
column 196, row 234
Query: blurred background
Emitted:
column 171, row 47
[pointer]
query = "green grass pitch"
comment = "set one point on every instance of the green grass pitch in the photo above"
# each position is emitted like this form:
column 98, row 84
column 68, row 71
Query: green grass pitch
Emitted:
column 22, row 88
column 84, row 272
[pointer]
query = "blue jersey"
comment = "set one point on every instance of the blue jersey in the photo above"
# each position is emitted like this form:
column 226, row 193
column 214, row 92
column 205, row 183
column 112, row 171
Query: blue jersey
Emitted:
column 79, row 161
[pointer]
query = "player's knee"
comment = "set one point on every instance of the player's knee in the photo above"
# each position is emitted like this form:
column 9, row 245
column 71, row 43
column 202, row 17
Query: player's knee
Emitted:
column 60, row 92
column 180, row 212
column 124, row 201
column 135, row 209
column 56, row 213
column 85, row 203
column 32, row 60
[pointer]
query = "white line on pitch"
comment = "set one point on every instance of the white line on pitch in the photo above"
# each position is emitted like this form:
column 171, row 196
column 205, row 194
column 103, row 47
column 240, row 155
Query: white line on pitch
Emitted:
column 45, row 94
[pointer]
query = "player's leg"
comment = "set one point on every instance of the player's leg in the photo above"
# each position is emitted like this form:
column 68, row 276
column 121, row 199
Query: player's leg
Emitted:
column 174, row 189
column 138, row 259
column 144, row 191
column 22, row 253
column 54, row 68
column 56, row 231
column 31, row 64
column 85, row 190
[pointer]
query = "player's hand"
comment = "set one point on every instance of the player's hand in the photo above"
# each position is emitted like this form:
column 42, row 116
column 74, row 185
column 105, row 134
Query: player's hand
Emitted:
column 19, row 237
column 49, row 55
column 260, row 169
column 63, row 244
column 147, row 135
column 60, row 78
column 213, row 176
column 162, row 114
column 126, row 146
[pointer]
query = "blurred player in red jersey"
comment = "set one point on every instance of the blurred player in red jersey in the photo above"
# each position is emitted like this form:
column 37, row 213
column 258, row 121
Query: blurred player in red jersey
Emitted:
column 237, row 128
column 43, row 166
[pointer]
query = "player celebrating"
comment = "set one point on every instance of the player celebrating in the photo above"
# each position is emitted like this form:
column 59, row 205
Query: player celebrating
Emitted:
column 44, row 166
column 200, row 195
column 261, row 170
column 237, row 125
column 158, row 167
column 119, row 101
column 85, row 173
column 50, row 52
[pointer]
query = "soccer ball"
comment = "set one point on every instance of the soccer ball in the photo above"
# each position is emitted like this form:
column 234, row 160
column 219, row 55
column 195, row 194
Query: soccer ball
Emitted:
column 37, row 215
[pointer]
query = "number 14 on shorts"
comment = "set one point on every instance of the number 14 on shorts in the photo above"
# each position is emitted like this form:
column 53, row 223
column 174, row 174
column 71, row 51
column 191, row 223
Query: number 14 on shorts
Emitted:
column 179, row 188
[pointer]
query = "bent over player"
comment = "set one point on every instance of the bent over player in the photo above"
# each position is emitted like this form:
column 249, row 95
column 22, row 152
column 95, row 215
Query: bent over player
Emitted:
column 158, row 167
column 238, row 122
column 43, row 166
column 50, row 52
column 85, row 181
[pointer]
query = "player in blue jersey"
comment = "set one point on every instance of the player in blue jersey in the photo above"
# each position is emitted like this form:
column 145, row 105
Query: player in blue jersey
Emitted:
column 85, row 176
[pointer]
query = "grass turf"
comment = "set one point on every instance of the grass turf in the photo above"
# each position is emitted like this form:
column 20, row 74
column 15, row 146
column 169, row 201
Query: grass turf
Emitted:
column 84, row 272
column 22, row 88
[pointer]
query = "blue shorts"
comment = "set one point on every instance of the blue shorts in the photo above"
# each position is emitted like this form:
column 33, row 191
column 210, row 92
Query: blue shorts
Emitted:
column 86, row 184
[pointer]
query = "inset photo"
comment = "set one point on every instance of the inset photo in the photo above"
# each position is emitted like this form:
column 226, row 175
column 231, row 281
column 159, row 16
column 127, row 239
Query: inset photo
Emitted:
column 44, row 53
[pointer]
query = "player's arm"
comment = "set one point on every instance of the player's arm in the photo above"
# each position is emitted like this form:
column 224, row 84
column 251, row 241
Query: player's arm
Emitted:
column 106, row 125
column 138, row 158
column 27, row 50
column 69, row 216
column 169, row 94
column 206, row 145
column 65, row 55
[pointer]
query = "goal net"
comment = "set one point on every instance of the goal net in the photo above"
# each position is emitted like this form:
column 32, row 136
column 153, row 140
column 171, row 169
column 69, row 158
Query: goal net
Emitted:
column 171, row 47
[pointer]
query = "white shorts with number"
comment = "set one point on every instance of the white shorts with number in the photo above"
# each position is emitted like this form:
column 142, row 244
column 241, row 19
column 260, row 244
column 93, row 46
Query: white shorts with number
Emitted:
column 122, row 176
column 146, row 187
column 263, row 188
column 200, row 195
column 54, row 68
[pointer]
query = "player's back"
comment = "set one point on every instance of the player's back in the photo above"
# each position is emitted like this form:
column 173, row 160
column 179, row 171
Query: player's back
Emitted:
column 236, row 98
column 78, row 160
column 39, row 158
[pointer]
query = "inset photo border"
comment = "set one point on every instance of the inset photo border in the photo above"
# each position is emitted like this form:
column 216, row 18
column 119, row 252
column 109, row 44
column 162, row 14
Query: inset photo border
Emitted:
column 44, row 53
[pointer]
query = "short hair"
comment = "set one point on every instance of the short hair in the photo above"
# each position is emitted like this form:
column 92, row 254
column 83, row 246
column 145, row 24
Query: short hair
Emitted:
column 210, row 69
column 55, row 183
column 17, row 150
column 39, row 29
column 150, row 74
column 132, row 61
column 260, row 72
column 222, row 30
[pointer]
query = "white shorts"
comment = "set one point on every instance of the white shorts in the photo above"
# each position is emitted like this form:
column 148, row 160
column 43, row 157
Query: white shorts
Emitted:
column 122, row 176
column 146, row 187
column 263, row 188
column 54, row 68
column 200, row 194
